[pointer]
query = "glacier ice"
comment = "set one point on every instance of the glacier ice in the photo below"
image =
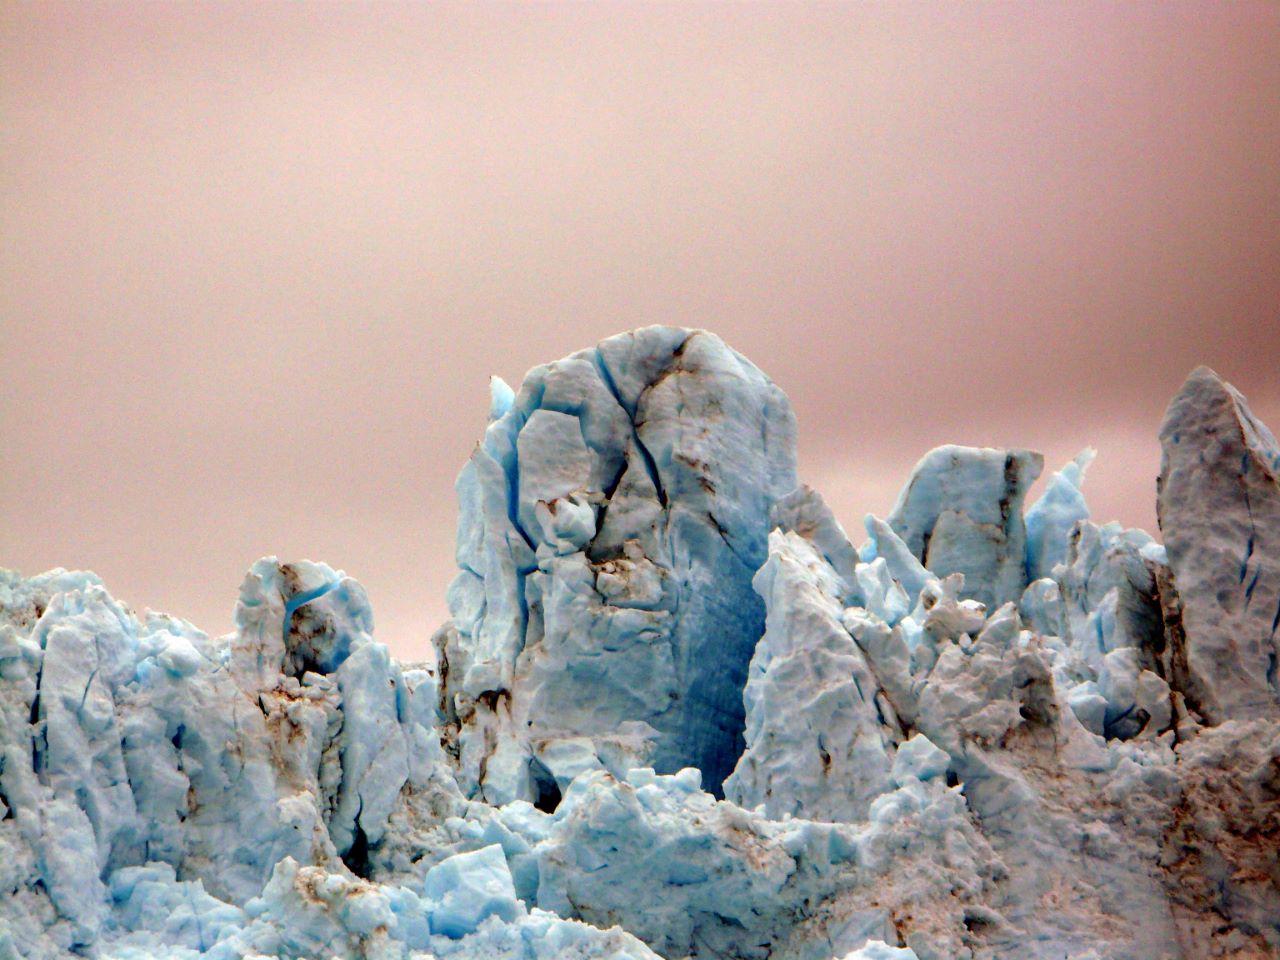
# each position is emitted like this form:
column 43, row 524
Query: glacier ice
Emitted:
column 612, row 520
column 961, row 512
column 1051, row 519
column 1219, row 512
column 676, row 712
column 800, row 753
column 169, row 795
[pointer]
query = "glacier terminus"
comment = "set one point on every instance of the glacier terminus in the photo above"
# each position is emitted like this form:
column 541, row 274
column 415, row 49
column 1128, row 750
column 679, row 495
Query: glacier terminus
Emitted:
column 677, row 711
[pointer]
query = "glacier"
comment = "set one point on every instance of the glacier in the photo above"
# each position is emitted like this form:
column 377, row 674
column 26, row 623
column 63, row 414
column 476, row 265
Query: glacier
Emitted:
column 677, row 712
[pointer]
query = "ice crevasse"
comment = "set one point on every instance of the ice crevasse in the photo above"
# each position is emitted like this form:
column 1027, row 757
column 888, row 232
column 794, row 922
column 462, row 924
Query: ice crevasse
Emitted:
column 676, row 712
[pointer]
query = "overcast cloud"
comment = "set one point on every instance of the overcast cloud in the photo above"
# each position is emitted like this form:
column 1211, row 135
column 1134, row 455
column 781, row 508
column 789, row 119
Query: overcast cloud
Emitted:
column 259, row 261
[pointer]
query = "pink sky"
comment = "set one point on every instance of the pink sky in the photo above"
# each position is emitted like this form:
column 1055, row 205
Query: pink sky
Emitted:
column 260, row 260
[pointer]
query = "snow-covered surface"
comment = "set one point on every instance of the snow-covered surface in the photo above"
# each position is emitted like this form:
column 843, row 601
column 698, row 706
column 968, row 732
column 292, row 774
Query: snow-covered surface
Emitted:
column 982, row 733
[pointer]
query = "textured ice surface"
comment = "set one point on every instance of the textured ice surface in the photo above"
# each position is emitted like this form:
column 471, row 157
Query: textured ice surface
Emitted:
column 1219, row 510
column 1051, row 519
column 801, row 750
column 612, row 520
column 976, row 736
column 961, row 512
column 166, row 795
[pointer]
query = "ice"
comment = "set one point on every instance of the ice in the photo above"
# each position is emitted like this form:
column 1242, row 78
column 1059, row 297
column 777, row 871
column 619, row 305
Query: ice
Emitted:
column 919, row 758
column 815, row 742
column 470, row 887
column 977, row 737
column 803, row 511
column 879, row 950
column 1219, row 510
column 899, row 562
column 695, row 876
column 961, row 512
column 612, row 520
column 174, row 797
column 1112, row 620
column 1052, row 518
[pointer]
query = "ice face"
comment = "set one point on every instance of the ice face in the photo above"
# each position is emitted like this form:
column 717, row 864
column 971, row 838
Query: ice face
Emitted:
column 167, row 795
column 816, row 746
column 974, row 737
column 1051, row 519
column 1219, row 510
column 612, row 520
column 961, row 512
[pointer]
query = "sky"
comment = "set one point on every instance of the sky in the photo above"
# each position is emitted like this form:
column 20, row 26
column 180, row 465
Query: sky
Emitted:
column 259, row 261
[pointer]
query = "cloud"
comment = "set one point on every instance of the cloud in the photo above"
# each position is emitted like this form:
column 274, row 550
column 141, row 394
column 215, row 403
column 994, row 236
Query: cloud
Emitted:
column 262, row 260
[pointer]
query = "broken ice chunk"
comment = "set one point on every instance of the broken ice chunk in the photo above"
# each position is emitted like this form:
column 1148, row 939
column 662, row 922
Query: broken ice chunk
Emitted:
column 467, row 888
